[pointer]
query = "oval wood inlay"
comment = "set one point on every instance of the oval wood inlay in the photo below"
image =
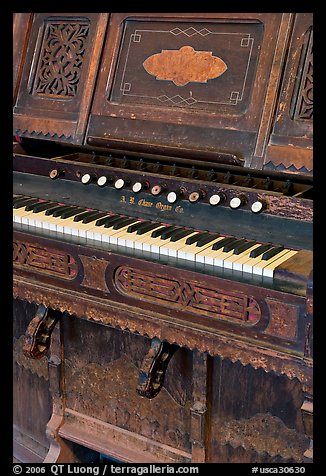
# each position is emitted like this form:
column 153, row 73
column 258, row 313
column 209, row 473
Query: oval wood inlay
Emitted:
column 184, row 66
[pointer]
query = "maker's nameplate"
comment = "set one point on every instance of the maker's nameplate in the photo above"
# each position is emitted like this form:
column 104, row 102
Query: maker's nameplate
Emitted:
column 147, row 203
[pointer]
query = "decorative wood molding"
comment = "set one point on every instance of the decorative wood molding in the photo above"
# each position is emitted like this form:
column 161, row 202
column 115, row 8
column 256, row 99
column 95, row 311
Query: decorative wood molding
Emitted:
column 185, row 66
column 38, row 367
column 262, row 433
column 42, row 134
column 125, row 318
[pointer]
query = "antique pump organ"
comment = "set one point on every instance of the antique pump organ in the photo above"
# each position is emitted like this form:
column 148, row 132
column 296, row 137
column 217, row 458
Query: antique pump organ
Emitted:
column 162, row 245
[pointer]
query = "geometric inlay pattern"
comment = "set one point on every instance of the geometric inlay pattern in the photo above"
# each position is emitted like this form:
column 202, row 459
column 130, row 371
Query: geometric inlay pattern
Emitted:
column 45, row 260
column 216, row 303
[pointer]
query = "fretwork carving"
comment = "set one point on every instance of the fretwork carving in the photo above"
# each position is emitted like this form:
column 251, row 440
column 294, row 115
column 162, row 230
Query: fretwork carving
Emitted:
column 215, row 303
column 45, row 260
column 61, row 58
column 303, row 109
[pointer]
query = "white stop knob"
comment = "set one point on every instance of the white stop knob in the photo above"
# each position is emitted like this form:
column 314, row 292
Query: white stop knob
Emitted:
column 172, row 197
column 119, row 183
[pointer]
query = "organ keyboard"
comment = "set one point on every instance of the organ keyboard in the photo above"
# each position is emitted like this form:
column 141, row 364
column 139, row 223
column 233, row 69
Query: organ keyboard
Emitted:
column 162, row 188
column 185, row 244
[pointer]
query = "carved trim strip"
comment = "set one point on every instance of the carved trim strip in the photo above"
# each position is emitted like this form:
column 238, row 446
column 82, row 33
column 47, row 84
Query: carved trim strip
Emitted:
column 303, row 108
column 36, row 366
column 106, row 313
column 210, row 302
column 44, row 260
column 47, row 135
column 61, row 58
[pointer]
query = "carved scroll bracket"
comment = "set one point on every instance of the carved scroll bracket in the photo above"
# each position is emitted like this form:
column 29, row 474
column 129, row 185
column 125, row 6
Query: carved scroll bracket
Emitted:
column 39, row 330
column 153, row 368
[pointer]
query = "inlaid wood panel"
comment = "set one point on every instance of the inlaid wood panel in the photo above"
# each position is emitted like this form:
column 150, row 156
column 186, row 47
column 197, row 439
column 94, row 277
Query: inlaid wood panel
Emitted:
column 176, row 83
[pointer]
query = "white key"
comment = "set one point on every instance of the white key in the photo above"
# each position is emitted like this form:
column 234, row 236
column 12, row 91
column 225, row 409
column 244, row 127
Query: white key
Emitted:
column 174, row 246
column 20, row 215
column 217, row 257
column 116, row 234
column 130, row 239
column 95, row 233
column 256, row 265
column 243, row 258
column 268, row 271
column 86, row 229
column 37, row 219
column 152, row 244
column 109, row 235
column 190, row 252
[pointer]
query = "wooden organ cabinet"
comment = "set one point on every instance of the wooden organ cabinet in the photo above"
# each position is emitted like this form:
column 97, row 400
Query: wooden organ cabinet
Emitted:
column 162, row 255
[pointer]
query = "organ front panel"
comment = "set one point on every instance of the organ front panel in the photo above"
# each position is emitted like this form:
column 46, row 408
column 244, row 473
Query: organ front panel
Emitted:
column 162, row 247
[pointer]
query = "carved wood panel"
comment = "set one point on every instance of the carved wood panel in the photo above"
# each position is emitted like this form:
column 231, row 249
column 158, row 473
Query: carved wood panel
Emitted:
column 59, row 74
column 61, row 57
column 290, row 145
column 255, row 416
column 44, row 259
column 216, row 303
column 101, row 375
column 303, row 93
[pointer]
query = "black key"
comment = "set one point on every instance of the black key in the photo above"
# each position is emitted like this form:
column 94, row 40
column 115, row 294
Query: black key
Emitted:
column 95, row 216
column 270, row 253
column 181, row 234
column 135, row 226
column 145, row 227
column 159, row 231
column 196, row 237
column 207, row 239
column 123, row 222
column 31, row 206
column 50, row 211
column 71, row 212
column 168, row 233
column 25, row 202
column 261, row 249
column 19, row 199
column 108, row 219
column 83, row 215
column 232, row 244
column 40, row 207
column 114, row 221
column 243, row 247
column 65, row 208
column 222, row 243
